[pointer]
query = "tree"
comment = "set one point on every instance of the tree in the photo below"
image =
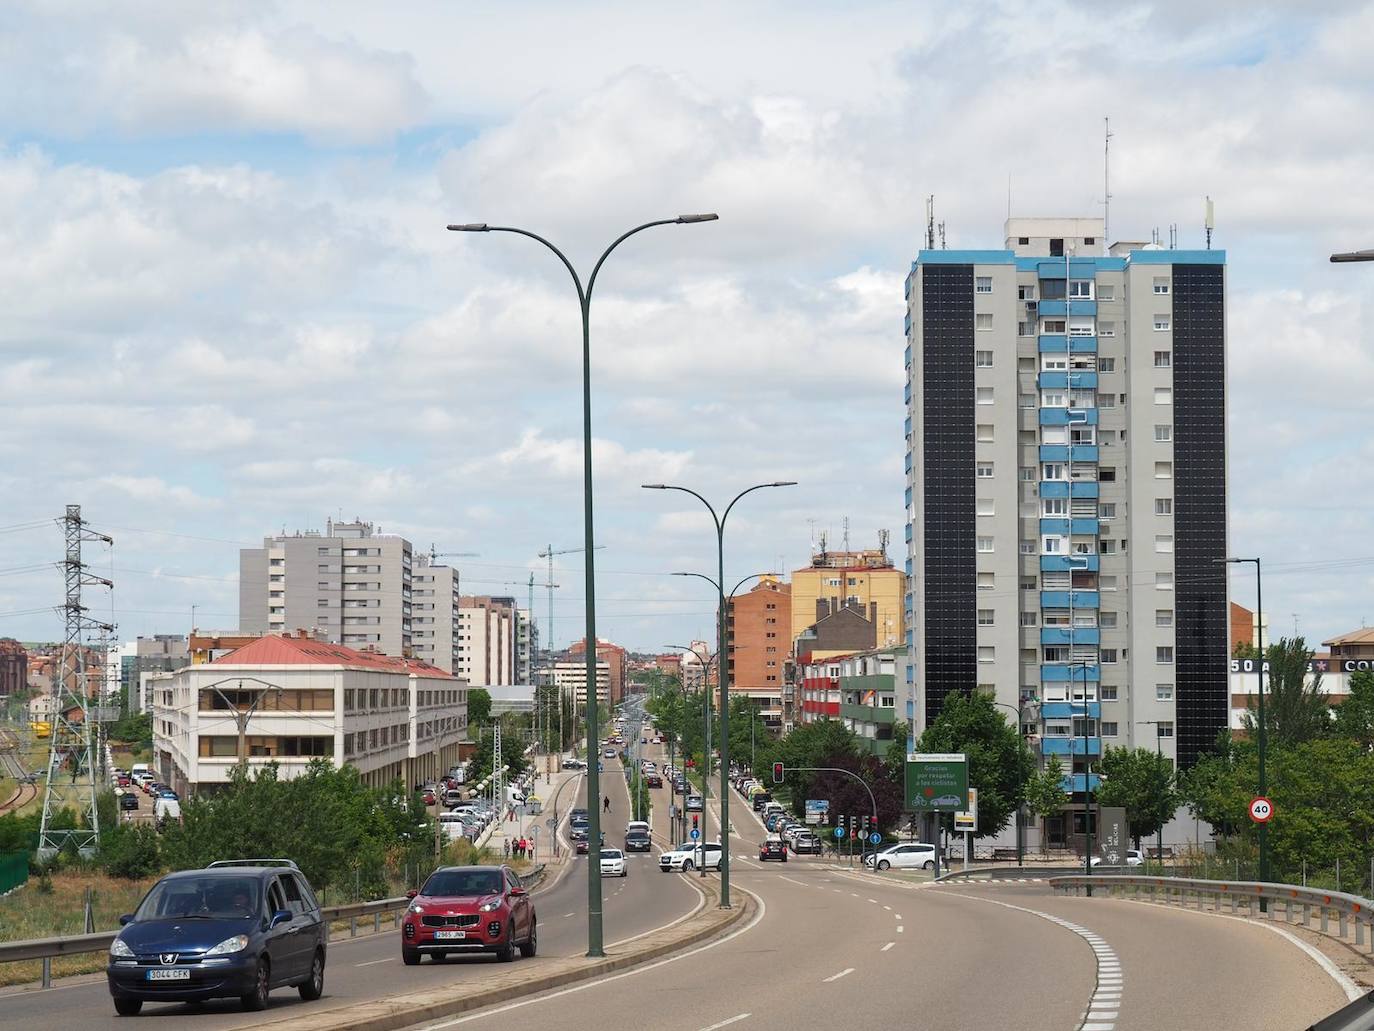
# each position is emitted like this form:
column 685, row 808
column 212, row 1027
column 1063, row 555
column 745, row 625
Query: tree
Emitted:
column 1045, row 794
column 130, row 850
column 822, row 743
column 999, row 763
column 1355, row 715
column 479, row 706
column 1141, row 781
column 1295, row 710
column 744, row 721
column 849, row 797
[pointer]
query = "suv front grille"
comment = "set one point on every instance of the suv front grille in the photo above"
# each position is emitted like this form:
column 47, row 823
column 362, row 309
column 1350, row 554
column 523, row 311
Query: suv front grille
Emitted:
column 463, row 920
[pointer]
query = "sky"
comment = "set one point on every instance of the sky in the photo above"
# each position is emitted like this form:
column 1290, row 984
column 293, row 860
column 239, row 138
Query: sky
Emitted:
column 230, row 307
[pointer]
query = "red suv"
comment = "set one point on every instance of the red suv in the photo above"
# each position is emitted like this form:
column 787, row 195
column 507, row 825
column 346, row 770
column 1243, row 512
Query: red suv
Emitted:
column 469, row 909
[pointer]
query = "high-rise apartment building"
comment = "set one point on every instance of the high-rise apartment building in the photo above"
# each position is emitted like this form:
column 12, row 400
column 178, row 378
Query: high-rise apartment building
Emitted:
column 757, row 645
column 488, row 630
column 350, row 583
column 1066, row 487
column 526, row 646
column 435, row 605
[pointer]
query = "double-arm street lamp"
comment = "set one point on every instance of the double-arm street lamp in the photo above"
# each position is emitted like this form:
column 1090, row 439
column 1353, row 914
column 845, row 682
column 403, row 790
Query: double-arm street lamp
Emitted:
column 1159, row 751
column 719, row 520
column 1021, row 809
column 705, row 661
column 595, row 943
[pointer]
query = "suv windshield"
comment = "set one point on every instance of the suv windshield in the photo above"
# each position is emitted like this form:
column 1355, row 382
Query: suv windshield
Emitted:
column 463, row 882
column 214, row 898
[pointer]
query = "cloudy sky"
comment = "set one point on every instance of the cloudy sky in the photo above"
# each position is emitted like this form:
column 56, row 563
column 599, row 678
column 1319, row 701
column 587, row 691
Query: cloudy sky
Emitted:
column 230, row 306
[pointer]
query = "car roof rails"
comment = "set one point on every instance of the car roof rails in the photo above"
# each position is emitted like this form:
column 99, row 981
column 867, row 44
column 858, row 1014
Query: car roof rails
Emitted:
column 288, row 863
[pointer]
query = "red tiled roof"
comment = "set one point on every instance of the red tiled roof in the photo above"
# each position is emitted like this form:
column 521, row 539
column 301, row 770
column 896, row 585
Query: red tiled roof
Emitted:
column 1365, row 635
column 304, row 651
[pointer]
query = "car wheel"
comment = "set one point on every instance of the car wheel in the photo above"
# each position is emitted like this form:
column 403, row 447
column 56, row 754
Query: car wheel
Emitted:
column 505, row 953
column 313, row 987
column 883, row 864
column 624, row 873
column 128, row 1007
column 528, row 948
column 688, row 866
column 262, row 987
column 410, row 957
column 929, row 865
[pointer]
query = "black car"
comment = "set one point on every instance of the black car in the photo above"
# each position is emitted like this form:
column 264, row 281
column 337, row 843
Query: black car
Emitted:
column 637, row 841
column 773, row 848
column 128, row 800
column 233, row 930
column 760, row 800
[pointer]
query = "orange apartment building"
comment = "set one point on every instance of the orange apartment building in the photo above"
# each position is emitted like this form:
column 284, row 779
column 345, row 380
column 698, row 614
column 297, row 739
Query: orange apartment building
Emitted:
column 616, row 659
column 757, row 643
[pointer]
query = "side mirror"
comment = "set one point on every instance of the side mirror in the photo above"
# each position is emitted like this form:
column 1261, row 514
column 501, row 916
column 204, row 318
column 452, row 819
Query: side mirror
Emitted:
column 127, row 918
column 281, row 916
column 411, row 893
column 517, row 892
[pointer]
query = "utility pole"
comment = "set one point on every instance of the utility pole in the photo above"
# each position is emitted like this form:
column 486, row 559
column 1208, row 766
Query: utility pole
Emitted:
column 71, row 734
column 549, row 554
column 242, row 715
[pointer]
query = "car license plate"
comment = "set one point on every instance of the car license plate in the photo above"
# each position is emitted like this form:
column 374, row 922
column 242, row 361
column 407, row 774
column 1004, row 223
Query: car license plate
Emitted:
column 168, row 975
column 449, row 935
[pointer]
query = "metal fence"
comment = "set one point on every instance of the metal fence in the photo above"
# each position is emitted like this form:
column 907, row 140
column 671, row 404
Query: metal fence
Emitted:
column 14, row 870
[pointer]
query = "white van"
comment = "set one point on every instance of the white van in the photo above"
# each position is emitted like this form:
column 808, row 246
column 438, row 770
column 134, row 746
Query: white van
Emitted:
column 167, row 809
column 138, row 768
column 452, row 824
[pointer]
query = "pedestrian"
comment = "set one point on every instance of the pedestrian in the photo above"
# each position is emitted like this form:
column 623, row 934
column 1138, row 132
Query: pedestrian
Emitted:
column 505, row 848
column 524, row 847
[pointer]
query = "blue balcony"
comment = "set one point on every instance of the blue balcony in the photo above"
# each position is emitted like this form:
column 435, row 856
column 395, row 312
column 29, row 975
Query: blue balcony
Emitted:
column 1073, row 783
column 1060, row 600
column 1059, row 672
column 1079, row 268
column 1060, row 489
column 906, row 392
column 1063, row 527
column 1083, row 345
column 1070, row 746
column 1078, row 379
column 1066, row 710
column 907, row 425
column 908, row 533
column 1060, row 453
column 1059, row 416
column 1054, row 343
column 1052, row 309
column 908, row 356
column 907, row 495
column 1063, row 563
column 908, row 461
column 1066, row 635
column 906, row 325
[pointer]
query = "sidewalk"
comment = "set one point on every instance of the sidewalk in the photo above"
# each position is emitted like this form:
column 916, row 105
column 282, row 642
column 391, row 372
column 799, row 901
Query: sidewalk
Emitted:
column 554, row 796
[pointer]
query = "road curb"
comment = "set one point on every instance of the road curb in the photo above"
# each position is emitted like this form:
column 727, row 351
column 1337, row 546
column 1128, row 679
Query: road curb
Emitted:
column 403, row 1011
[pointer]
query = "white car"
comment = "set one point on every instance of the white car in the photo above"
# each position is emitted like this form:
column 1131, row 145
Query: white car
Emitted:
column 905, row 855
column 612, row 862
column 691, row 856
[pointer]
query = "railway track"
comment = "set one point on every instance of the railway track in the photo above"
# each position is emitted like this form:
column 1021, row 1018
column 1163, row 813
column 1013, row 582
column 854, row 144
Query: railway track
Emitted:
column 23, row 795
column 10, row 764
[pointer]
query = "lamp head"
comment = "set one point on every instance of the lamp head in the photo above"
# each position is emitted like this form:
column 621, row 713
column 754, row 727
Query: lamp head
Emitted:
column 653, row 486
column 707, row 217
column 469, row 227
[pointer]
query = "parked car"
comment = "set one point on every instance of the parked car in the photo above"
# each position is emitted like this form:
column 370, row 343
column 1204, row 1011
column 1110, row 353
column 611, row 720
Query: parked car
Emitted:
column 469, row 909
column 612, row 863
column 773, row 848
column 236, row 929
column 128, row 801
column 691, row 856
column 806, row 844
column 905, row 855
column 760, row 800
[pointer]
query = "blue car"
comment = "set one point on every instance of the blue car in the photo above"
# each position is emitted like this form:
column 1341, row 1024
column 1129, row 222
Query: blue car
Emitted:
column 233, row 930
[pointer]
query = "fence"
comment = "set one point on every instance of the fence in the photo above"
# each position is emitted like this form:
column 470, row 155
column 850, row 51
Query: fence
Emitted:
column 14, row 870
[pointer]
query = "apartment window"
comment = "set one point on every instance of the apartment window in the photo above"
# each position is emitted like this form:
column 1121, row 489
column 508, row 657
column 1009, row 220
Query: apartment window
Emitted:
column 1106, row 364
column 1106, row 292
column 1165, row 728
column 1106, row 329
column 1028, row 583
column 1053, row 545
column 983, row 284
column 1164, row 581
column 1164, row 617
column 1106, row 510
column 1164, row 543
column 1164, row 470
column 1026, row 472
column 1107, row 693
column 1106, row 583
column 1081, row 289
column 1108, row 547
column 1109, row 728
column 322, row 551
column 982, row 359
column 1026, row 291
column 983, row 507
column 1022, row 241
column 1106, row 401
column 985, row 545
column 986, row 617
column 1108, row 438
column 1053, row 471
column 1164, row 654
column 1054, row 327
column 1161, row 323
column 1163, row 433
column 1056, row 247
column 1080, row 329
column 1025, row 329
column 1054, row 506
column 1161, row 284
column 985, row 433
column 1051, row 362
column 1164, row 395
column 1107, row 474
column 1028, row 619
column 1108, row 656
column 1026, row 547
column 1106, row 620
column 1164, row 359
column 987, row 653
column 983, row 321
column 984, row 470
column 983, row 395
column 985, row 582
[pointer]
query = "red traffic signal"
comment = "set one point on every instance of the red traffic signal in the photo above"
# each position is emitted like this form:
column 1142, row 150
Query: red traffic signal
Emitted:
column 779, row 772
column 694, row 821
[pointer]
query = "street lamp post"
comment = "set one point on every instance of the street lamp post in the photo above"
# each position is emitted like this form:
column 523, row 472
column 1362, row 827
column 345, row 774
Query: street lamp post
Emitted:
column 705, row 661
column 719, row 520
column 595, row 941
column 1159, row 751
column 1263, row 735
column 1021, row 809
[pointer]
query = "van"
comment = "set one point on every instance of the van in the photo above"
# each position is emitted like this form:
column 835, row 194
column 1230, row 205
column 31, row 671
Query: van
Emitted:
column 138, row 768
column 452, row 797
column 166, row 809
column 452, row 824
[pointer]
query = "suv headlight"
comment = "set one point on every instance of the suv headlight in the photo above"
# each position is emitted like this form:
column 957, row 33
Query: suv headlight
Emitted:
column 237, row 943
column 416, row 908
column 490, row 907
column 119, row 950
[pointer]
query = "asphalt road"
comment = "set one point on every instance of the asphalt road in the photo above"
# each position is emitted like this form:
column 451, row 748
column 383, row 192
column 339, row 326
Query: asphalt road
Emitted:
column 834, row 947
column 368, row 968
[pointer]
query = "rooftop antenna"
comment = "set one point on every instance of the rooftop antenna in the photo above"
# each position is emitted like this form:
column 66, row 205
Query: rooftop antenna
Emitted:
column 1173, row 236
column 883, row 537
column 1209, row 222
column 930, row 222
column 1107, row 181
column 942, row 236
column 845, row 524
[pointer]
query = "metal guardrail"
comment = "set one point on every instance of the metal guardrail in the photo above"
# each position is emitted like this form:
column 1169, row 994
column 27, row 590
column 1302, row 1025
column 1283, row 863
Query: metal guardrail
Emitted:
column 48, row 949
column 1357, row 1016
column 1298, row 902
column 1014, row 873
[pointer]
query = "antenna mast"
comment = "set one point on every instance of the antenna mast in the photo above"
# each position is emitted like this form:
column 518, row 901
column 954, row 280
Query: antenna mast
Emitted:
column 1209, row 222
column 1107, row 182
column 930, row 222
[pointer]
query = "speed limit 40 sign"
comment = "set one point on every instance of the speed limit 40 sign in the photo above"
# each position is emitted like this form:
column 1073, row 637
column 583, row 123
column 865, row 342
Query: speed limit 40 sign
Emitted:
column 1261, row 809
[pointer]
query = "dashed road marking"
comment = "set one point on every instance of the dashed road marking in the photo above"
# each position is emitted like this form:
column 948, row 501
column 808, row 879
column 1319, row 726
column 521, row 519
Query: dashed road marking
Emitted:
column 900, row 928
column 887, row 946
column 374, row 962
column 792, row 880
column 835, row 977
column 727, row 1022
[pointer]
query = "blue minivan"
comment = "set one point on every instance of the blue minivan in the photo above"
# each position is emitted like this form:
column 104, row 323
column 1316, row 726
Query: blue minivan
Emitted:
column 233, row 930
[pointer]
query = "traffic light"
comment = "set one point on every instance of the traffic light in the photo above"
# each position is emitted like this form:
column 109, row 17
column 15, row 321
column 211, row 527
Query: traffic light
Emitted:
column 840, row 824
column 779, row 772
column 694, row 821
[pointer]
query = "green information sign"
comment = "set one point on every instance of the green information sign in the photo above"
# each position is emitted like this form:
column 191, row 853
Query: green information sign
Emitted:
column 936, row 782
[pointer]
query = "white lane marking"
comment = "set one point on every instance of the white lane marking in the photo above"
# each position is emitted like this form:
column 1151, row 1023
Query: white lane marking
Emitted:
column 801, row 884
column 897, row 915
column 888, row 908
column 1103, row 1014
column 374, row 962
column 569, row 914
column 854, row 893
column 874, row 901
column 900, row 928
column 887, row 946
column 545, row 997
column 726, row 1023
column 836, row 977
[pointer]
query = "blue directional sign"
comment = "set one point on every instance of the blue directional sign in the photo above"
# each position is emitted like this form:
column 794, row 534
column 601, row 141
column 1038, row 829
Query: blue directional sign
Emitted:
column 695, row 834
column 839, row 832
column 875, row 837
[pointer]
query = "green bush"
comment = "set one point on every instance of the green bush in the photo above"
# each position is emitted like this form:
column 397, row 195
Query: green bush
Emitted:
column 130, row 851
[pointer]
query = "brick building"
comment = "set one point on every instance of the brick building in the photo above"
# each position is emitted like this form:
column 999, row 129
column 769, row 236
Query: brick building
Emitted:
column 757, row 643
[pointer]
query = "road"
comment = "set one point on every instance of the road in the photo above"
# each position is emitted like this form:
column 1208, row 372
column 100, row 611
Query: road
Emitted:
column 367, row 968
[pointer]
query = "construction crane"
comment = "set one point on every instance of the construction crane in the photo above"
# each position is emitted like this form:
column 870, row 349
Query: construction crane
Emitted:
column 435, row 556
column 549, row 554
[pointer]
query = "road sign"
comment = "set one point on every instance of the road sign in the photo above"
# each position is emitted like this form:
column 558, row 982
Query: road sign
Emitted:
column 937, row 782
column 695, row 834
column 875, row 837
column 839, row 832
column 817, row 809
column 968, row 819
column 1261, row 809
